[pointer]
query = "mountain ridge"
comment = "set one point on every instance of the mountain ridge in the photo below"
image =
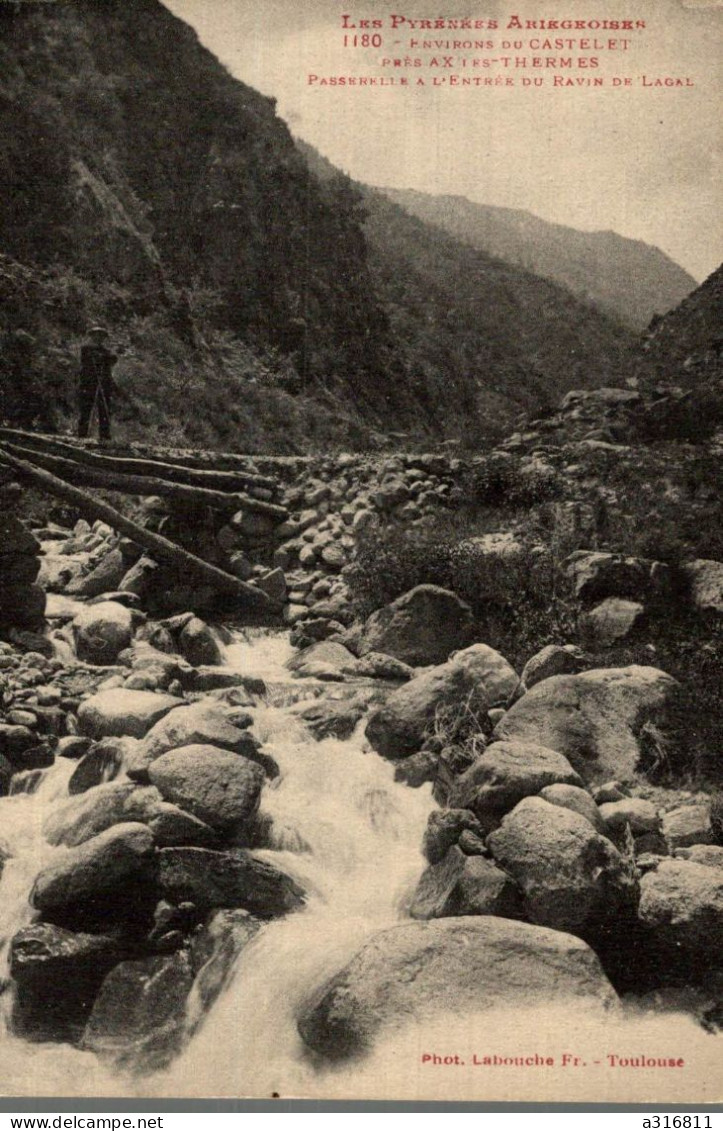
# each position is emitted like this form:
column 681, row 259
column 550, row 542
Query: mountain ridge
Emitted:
column 626, row 278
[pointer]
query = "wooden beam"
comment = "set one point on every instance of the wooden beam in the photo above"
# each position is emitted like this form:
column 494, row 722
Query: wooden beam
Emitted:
column 230, row 481
column 72, row 472
column 179, row 457
column 159, row 547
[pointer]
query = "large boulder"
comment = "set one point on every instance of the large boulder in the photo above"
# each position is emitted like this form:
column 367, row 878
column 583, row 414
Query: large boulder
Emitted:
column 203, row 723
column 22, row 606
column 709, row 854
column 331, row 718
column 120, row 711
column 57, row 571
column 14, row 533
column 599, row 719
column 81, row 818
column 218, row 787
column 88, row 880
column 138, row 1021
column 465, row 885
column 613, row 620
column 505, row 773
column 681, row 902
column 18, row 569
column 376, row 665
column 214, row 951
column 103, row 762
column 596, row 575
column 470, row 683
column 105, row 578
column 234, row 878
column 633, row 813
column 102, row 631
column 411, row 973
column 325, row 660
column 688, row 824
column 422, row 627
column 57, row 974
column 705, row 578
column 572, row 878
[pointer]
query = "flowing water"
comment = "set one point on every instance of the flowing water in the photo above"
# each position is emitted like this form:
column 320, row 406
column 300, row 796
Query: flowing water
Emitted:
column 342, row 827
column 351, row 836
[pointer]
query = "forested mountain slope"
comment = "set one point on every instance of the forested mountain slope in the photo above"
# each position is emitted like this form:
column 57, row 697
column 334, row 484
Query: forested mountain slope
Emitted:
column 255, row 303
column 627, row 279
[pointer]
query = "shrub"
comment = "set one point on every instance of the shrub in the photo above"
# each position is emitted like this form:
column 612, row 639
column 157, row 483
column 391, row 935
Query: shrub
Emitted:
column 515, row 600
column 488, row 482
column 459, row 724
column 692, row 418
column 502, row 479
column 389, row 561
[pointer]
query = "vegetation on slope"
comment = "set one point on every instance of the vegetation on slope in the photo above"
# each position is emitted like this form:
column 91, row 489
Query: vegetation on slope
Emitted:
column 627, row 279
column 257, row 305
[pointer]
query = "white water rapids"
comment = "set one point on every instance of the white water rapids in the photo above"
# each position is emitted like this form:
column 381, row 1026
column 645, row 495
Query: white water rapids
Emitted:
column 351, row 836
column 342, row 827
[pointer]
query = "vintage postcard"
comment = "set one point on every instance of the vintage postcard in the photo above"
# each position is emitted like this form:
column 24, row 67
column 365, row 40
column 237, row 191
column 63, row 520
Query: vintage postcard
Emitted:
column 361, row 567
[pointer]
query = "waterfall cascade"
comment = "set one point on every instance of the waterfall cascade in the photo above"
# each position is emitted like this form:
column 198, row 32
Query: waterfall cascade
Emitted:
column 351, row 837
column 341, row 826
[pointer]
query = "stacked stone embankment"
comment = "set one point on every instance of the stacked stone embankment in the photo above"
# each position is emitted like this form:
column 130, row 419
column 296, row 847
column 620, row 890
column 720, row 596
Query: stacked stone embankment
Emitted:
column 22, row 600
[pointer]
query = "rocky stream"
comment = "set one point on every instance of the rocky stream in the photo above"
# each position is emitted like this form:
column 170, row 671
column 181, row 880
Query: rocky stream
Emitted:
column 252, row 860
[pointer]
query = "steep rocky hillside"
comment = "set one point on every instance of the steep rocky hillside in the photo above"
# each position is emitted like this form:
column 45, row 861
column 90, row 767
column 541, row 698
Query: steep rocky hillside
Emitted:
column 137, row 160
column 627, row 279
column 152, row 191
column 252, row 305
column 456, row 311
column 686, row 344
column 679, row 364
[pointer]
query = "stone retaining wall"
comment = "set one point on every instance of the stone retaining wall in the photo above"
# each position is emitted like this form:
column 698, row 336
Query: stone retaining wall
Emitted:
column 22, row 602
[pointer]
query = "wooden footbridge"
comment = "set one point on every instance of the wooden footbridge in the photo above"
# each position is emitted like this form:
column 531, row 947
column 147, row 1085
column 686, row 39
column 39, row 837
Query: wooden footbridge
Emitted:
column 67, row 468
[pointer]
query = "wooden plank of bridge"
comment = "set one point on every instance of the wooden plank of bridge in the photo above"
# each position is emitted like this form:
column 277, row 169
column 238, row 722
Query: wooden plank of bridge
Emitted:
column 159, row 547
column 131, row 465
column 72, row 472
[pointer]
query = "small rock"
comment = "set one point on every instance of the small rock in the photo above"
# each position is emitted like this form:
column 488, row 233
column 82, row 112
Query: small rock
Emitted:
column 633, row 812
column 198, row 643
column 444, row 829
column 689, row 824
column 120, row 711
column 138, row 1019
column 465, row 885
column 609, row 791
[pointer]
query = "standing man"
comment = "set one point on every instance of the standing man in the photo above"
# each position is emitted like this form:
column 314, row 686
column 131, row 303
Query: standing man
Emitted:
column 96, row 381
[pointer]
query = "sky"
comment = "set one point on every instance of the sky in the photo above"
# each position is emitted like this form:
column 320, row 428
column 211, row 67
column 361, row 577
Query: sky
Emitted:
column 639, row 159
